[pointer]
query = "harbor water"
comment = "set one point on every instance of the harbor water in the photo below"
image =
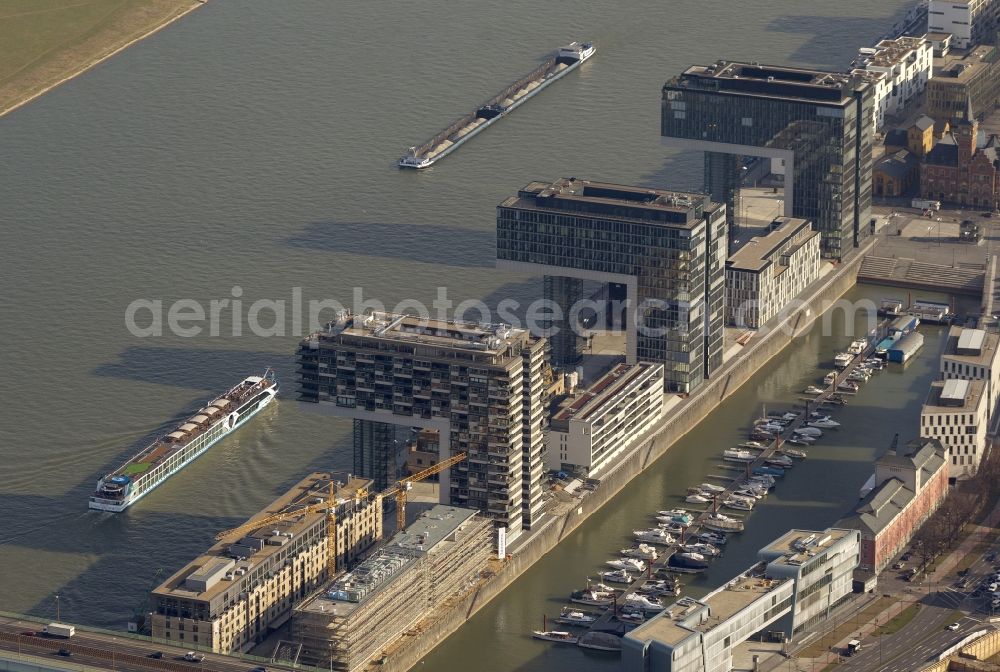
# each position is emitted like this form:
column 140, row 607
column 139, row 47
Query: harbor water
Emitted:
column 248, row 152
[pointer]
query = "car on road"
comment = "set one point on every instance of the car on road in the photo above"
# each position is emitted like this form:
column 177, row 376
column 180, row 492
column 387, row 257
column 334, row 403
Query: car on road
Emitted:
column 156, row 654
column 953, row 626
column 899, row 565
column 992, row 587
column 65, row 652
column 990, row 557
column 29, row 633
column 193, row 657
column 259, row 668
column 987, row 215
column 904, row 557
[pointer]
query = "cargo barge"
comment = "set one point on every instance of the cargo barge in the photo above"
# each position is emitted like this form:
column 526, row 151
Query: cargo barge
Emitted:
column 561, row 63
column 169, row 454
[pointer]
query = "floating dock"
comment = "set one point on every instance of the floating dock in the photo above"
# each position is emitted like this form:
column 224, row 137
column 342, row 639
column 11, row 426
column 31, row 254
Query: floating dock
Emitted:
column 558, row 65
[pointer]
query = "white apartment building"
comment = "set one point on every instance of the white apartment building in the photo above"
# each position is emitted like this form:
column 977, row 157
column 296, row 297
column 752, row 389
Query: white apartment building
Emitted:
column 968, row 21
column 971, row 354
column 594, row 427
column 764, row 275
column 955, row 413
column 822, row 566
column 898, row 70
column 802, row 574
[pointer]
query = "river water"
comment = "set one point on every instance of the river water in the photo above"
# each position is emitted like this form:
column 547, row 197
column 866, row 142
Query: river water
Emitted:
column 249, row 149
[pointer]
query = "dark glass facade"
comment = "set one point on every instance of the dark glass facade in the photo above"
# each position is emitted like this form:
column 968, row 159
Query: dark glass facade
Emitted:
column 823, row 119
column 673, row 244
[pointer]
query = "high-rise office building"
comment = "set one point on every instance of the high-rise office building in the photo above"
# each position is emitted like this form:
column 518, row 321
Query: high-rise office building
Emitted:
column 479, row 385
column 819, row 123
column 667, row 248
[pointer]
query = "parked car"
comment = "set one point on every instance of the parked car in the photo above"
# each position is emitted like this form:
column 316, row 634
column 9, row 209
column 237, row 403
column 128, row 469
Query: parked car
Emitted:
column 29, row 633
column 904, row 557
column 990, row 557
column 953, row 626
column 156, row 654
column 65, row 652
column 193, row 657
column 899, row 565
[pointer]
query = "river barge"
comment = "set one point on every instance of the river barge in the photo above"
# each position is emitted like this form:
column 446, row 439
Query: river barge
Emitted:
column 557, row 66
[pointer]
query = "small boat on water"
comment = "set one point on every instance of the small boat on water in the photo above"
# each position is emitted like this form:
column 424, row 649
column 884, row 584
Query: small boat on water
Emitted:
column 830, row 378
column 719, row 522
column 739, row 503
column 808, row 431
column 679, row 516
column 632, row 616
column 857, row 346
column 777, row 472
column 714, row 538
column 837, row 399
column 749, row 493
column 555, row 636
column 661, row 587
column 738, row 455
column 627, row 564
column 644, row 602
column 706, row 549
column 593, row 597
column 574, row 617
column 672, row 528
column 842, row 360
column 642, row 551
column 654, row 535
column 800, row 440
column 824, row 423
column 697, row 499
column 812, row 389
column 779, row 461
column 600, row 641
column 687, row 562
column 765, row 480
column 848, row 386
column 616, row 576
column 753, row 445
column 793, row 452
column 713, row 488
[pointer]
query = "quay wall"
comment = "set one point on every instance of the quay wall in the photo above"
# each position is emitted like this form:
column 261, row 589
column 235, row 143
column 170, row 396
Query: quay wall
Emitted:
column 683, row 418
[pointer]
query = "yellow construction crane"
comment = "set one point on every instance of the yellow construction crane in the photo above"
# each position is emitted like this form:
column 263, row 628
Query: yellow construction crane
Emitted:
column 330, row 506
column 399, row 490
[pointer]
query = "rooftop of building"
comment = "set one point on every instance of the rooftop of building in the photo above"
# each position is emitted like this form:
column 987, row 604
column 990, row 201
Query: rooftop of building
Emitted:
column 588, row 403
column 897, row 165
column 880, row 507
column 758, row 252
column 211, row 567
column 614, row 201
column 977, row 347
column 954, row 395
column 771, row 81
column 890, row 52
column 688, row 616
column 350, row 590
column 494, row 338
column 959, row 66
column 797, row 547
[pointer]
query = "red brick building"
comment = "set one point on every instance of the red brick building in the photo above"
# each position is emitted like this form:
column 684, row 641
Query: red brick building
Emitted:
column 962, row 168
column 908, row 488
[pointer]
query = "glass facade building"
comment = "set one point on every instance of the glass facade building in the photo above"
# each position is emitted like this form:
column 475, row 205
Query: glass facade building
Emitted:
column 819, row 123
column 668, row 248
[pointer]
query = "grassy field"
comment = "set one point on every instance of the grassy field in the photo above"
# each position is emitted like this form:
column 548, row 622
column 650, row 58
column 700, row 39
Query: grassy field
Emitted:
column 43, row 42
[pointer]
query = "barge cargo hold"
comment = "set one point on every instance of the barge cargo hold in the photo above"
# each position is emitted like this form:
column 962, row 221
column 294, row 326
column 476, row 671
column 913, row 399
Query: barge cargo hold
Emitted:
column 558, row 65
column 169, row 454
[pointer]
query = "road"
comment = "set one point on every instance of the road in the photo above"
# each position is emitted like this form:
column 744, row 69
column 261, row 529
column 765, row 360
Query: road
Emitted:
column 108, row 651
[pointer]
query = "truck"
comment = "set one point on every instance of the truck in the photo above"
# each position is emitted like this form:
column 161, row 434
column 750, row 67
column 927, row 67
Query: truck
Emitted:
column 59, row 630
column 925, row 204
column 853, row 646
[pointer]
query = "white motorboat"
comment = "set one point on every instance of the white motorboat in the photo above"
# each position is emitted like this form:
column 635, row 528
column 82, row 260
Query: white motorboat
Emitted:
column 738, row 455
column 714, row 538
column 857, row 346
column 697, row 499
column 617, row 576
column 573, row 617
column 627, row 617
column 719, row 522
column 705, row 549
column 825, row 423
column 642, row 551
column 711, row 487
column 627, row 563
column 594, row 597
column 848, row 386
column 753, row 445
column 679, row 516
column 812, row 389
column 792, row 452
column 830, row 378
column 660, row 587
column 739, row 503
column 654, row 535
column 555, row 636
column 800, row 440
column 748, row 493
column 780, row 461
column 809, row 431
column 673, row 528
column 644, row 602
column 842, row 360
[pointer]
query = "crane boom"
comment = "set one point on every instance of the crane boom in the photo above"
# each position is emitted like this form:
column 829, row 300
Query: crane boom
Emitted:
column 399, row 490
